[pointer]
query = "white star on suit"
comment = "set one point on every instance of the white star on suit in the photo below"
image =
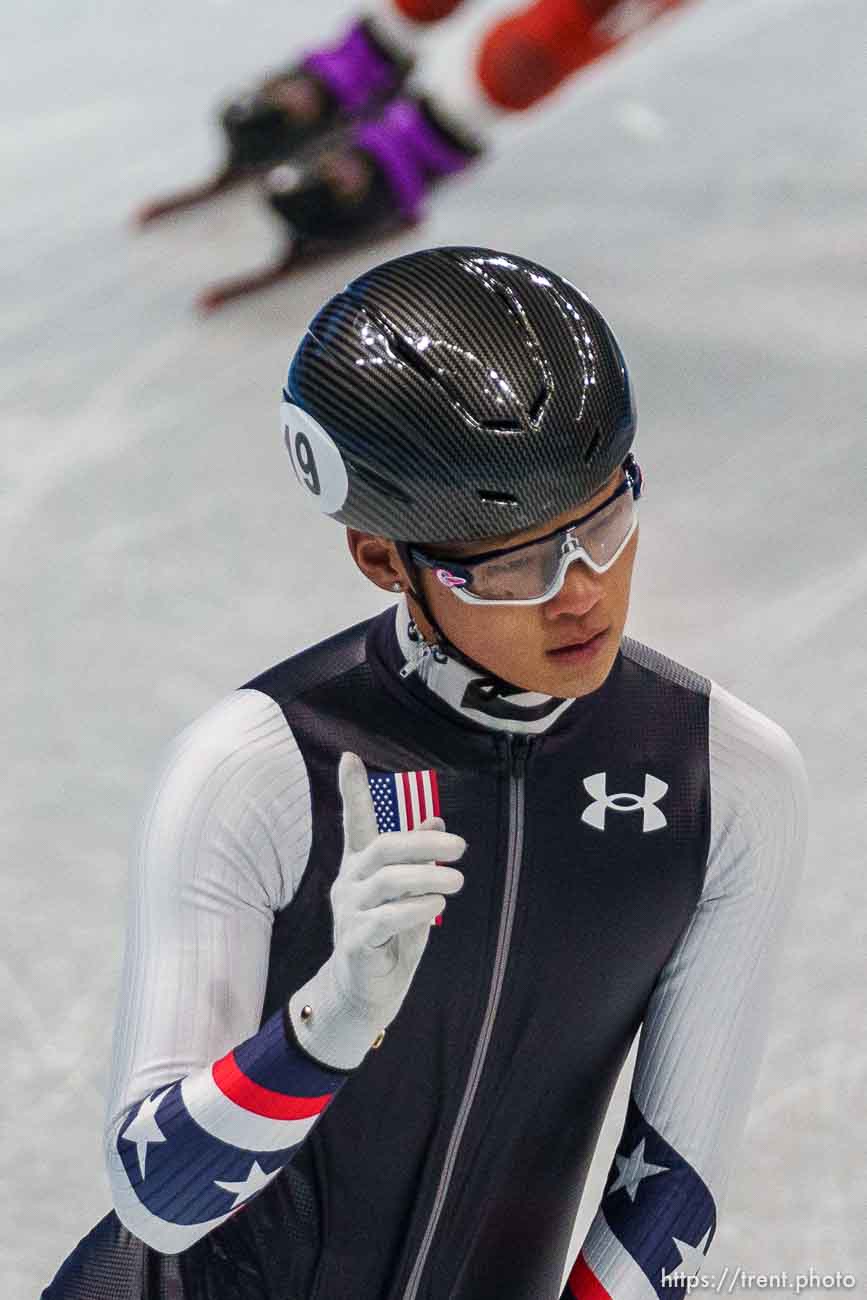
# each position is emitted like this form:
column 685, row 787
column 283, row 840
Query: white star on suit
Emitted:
column 691, row 1257
column 631, row 1171
column 145, row 1129
column 254, row 1182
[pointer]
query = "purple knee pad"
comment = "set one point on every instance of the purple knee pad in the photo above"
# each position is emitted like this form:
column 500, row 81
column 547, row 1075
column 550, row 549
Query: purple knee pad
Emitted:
column 355, row 71
column 408, row 148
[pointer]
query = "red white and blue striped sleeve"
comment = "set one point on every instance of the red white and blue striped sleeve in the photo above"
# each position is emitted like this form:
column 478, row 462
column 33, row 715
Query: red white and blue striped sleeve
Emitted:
column 192, row 1153
column 706, row 1024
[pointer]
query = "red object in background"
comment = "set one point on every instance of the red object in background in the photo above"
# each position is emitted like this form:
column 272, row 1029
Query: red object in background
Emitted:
column 527, row 55
column 426, row 11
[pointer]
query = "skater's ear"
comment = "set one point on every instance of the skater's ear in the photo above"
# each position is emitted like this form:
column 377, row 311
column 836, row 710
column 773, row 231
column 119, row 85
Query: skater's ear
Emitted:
column 377, row 558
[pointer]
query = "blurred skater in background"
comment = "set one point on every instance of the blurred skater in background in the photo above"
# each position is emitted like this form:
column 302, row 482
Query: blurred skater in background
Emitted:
column 352, row 136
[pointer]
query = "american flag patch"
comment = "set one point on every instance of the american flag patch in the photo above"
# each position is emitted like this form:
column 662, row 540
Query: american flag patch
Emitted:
column 402, row 800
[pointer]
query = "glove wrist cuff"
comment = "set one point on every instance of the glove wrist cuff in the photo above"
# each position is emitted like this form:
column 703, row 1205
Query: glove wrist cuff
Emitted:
column 336, row 1031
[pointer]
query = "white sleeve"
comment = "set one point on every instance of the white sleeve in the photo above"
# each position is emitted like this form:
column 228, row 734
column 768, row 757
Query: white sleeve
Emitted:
column 206, row 1105
column 704, row 1033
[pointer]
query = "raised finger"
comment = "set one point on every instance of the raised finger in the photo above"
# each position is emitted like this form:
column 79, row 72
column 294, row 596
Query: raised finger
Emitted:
column 359, row 819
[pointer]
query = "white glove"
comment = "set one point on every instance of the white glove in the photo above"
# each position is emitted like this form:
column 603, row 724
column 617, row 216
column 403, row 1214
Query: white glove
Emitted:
column 388, row 891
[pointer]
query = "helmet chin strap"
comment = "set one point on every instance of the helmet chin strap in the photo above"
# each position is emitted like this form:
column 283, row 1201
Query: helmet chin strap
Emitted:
column 496, row 684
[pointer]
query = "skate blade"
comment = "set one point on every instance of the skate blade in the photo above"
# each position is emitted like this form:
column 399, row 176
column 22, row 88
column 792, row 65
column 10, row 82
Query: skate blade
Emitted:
column 190, row 198
column 300, row 253
column 241, row 286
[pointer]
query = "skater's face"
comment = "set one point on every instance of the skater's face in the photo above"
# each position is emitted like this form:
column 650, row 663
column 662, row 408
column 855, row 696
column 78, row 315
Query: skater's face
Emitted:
column 517, row 641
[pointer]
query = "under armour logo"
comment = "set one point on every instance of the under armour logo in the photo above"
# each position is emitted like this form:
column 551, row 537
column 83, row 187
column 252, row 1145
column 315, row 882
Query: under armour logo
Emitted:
column 594, row 813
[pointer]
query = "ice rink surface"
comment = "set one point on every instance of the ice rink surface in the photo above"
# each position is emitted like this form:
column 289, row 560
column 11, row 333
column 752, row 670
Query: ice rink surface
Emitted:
column 707, row 188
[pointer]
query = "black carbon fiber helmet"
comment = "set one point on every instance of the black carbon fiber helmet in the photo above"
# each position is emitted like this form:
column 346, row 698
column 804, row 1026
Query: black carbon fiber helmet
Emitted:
column 456, row 394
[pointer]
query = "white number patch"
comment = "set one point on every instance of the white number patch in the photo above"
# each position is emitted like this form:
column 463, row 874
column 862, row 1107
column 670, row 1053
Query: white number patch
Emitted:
column 315, row 457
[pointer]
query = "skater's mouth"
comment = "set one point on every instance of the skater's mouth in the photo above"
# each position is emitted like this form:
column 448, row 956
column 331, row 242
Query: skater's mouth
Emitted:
column 578, row 650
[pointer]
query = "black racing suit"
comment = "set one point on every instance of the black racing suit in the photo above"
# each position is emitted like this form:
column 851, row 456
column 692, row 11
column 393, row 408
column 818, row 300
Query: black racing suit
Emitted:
column 631, row 857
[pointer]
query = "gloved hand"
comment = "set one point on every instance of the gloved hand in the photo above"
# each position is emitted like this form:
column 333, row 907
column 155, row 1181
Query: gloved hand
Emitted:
column 386, row 894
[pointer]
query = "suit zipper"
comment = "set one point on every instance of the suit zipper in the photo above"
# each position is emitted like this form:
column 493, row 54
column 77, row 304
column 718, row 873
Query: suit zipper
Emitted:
column 517, row 747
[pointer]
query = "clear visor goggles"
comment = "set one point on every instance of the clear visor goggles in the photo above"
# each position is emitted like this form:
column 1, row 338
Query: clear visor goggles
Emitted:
column 533, row 572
